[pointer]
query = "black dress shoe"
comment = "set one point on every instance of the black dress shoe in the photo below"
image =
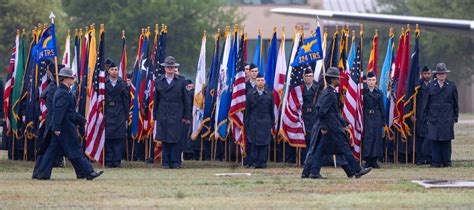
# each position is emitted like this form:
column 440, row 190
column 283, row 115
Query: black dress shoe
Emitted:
column 317, row 176
column 363, row 172
column 375, row 166
column 94, row 175
column 176, row 167
column 304, row 176
column 435, row 165
column 150, row 160
column 350, row 175
column 165, row 167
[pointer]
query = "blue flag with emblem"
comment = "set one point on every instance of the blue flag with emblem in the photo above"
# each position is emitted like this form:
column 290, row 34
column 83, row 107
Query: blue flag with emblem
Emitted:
column 311, row 50
column 258, row 56
column 210, row 98
column 46, row 47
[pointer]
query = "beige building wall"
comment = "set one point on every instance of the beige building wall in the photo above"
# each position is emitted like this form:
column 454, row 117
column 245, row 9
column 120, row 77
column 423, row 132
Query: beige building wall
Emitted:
column 259, row 17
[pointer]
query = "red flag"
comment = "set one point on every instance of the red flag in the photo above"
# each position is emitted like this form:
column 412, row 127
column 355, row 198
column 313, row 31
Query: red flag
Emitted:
column 374, row 55
column 8, row 90
column 402, row 83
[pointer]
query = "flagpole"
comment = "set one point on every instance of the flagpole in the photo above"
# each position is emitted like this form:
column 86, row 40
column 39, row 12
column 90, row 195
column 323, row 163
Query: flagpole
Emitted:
column 51, row 16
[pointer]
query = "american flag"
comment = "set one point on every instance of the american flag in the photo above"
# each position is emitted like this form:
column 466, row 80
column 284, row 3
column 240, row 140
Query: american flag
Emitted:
column 292, row 124
column 238, row 102
column 43, row 86
column 95, row 132
column 352, row 110
column 8, row 90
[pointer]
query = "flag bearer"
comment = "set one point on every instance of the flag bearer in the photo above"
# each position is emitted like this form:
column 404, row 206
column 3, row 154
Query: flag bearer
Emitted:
column 423, row 146
column 441, row 112
column 117, row 101
column 328, row 136
column 373, row 122
column 171, row 110
column 310, row 96
column 260, row 119
column 250, row 85
column 65, row 124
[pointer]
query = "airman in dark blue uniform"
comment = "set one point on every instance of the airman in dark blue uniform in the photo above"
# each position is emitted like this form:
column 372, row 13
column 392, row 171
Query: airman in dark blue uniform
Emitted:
column 46, row 133
column 65, row 124
column 310, row 96
column 374, row 121
column 260, row 119
column 328, row 135
column 422, row 145
column 441, row 112
column 250, row 85
column 171, row 110
column 117, row 105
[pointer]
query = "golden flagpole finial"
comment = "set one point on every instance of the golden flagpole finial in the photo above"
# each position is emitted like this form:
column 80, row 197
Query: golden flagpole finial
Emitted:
column 156, row 28
column 123, row 34
column 102, row 27
column 68, row 32
column 23, row 32
column 376, row 32
column 76, row 32
column 391, row 31
column 218, row 33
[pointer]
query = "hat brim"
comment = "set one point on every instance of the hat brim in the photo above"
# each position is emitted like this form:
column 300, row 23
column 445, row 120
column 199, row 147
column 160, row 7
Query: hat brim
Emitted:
column 165, row 65
column 439, row 72
column 333, row 76
column 66, row 76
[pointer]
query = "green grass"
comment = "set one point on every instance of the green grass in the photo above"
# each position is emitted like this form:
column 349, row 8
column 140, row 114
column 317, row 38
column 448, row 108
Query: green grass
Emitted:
column 279, row 186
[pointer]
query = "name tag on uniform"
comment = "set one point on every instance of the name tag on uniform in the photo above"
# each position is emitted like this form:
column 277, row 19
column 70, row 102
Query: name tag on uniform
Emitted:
column 112, row 103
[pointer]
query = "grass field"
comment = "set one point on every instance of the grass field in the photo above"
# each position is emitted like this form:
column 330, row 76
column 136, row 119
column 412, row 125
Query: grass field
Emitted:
column 279, row 186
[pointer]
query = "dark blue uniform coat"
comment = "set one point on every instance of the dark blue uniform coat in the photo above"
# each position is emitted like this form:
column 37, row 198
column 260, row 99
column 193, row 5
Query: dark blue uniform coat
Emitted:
column 259, row 117
column 66, row 120
column 117, row 105
column 372, row 145
column 330, row 119
column 310, row 97
column 171, row 107
column 441, row 111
